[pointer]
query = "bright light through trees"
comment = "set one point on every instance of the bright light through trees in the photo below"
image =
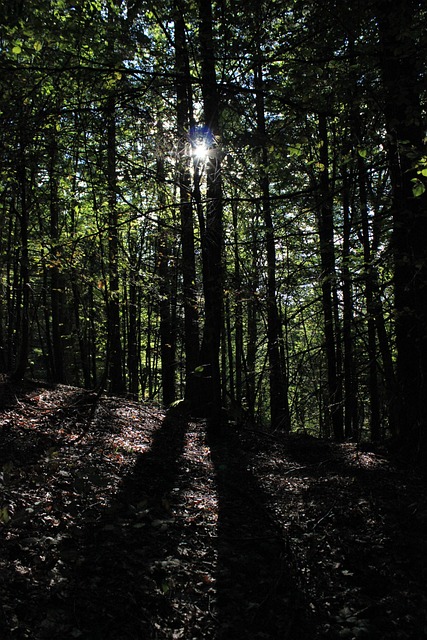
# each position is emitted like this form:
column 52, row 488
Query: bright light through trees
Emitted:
column 202, row 141
column 200, row 151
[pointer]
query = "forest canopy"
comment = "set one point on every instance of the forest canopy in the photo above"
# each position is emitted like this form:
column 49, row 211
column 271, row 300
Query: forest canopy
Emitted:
column 223, row 202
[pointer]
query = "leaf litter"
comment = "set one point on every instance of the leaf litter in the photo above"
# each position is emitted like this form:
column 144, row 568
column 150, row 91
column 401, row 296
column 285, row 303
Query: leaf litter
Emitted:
column 120, row 521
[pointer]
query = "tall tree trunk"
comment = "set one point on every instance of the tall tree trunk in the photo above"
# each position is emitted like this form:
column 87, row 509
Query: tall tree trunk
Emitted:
column 116, row 381
column 252, row 326
column 167, row 303
column 23, row 300
column 115, row 374
column 279, row 407
column 132, row 350
column 328, row 284
column 350, row 378
column 188, row 267
column 375, row 420
column 212, row 234
column 238, row 313
column 227, row 348
column 402, row 64
column 56, row 280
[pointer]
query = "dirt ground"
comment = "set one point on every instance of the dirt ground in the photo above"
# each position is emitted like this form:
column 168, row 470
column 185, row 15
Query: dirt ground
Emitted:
column 120, row 522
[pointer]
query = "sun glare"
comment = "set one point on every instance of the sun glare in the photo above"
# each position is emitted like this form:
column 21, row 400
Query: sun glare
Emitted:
column 200, row 151
column 202, row 142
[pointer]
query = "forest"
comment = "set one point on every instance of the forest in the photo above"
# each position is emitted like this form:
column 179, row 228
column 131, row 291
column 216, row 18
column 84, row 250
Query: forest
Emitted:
column 213, row 243
column 221, row 204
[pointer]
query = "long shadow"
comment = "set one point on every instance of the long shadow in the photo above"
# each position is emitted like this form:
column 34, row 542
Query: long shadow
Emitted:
column 122, row 568
column 258, row 595
column 101, row 563
column 366, row 517
column 114, row 577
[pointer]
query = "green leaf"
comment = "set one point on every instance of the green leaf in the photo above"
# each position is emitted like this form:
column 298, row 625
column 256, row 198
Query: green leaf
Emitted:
column 295, row 150
column 165, row 588
column 17, row 49
column 4, row 515
column 362, row 153
column 418, row 189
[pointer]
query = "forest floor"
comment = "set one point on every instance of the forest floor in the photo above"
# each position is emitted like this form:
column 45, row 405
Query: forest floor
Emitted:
column 120, row 522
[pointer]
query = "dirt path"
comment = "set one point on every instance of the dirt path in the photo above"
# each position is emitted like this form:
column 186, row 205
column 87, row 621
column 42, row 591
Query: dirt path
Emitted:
column 119, row 522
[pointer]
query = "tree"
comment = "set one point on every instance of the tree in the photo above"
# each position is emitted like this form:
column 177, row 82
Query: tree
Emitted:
column 212, row 233
column 185, row 124
column 401, row 59
column 279, row 408
column 328, row 284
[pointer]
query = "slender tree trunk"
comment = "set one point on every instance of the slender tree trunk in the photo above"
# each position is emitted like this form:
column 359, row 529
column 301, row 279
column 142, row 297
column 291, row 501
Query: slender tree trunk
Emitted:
column 328, row 283
column 184, row 125
column 212, row 235
column 279, row 407
column 23, row 301
column 56, row 280
column 83, row 345
column 115, row 374
column 252, row 329
column 238, row 332
column 132, row 351
column 350, row 378
column 228, row 349
column 9, row 289
column 114, row 350
column 375, row 420
column 167, row 301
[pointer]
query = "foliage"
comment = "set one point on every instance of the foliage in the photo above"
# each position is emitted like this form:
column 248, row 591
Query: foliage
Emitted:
column 71, row 72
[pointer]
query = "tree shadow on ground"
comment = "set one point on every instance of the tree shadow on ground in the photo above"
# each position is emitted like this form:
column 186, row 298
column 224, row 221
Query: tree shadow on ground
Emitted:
column 258, row 595
column 125, row 560
column 362, row 539
column 94, row 553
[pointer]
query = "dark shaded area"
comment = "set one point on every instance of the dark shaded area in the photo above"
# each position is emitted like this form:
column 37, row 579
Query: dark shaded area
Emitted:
column 118, row 522
column 357, row 526
column 103, row 563
column 120, row 583
column 258, row 594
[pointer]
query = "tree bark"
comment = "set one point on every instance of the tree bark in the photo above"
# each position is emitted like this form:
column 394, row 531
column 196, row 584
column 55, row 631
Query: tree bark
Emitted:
column 279, row 407
column 185, row 123
column 328, row 284
column 351, row 418
column 167, row 301
column 212, row 234
column 56, row 280
column 116, row 381
column 401, row 65
column 23, row 299
column 375, row 423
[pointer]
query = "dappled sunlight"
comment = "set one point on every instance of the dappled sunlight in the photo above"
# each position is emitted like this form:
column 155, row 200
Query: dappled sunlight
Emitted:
column 125, row 521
